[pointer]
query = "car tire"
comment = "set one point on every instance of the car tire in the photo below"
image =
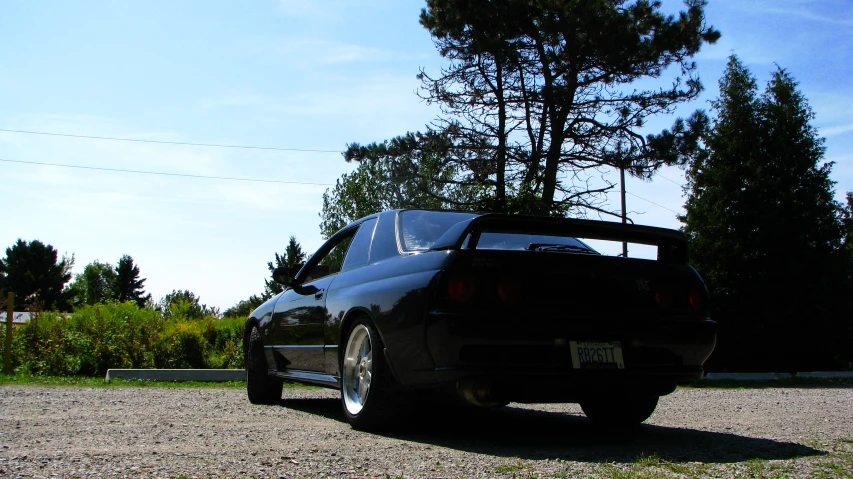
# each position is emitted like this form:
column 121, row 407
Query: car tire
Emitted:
column 367, row 396
column 261, row 388
column 619, row 412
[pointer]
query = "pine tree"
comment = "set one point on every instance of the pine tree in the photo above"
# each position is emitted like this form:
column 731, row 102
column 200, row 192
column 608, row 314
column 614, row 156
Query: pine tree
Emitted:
column 293, row 257
column 715, row 219
column 128, row 285
column 33, row 271
column 848, row 225
column 764, row 229
column 536, row 99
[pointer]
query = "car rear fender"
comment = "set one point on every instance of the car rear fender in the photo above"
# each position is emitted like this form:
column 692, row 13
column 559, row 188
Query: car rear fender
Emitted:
column 394, row 294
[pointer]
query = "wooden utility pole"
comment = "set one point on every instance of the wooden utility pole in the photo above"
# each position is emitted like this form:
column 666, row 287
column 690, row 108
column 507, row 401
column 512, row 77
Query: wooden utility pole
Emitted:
column 10, row 317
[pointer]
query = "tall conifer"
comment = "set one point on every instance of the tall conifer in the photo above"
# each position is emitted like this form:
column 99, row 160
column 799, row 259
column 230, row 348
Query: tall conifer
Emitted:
column 765, row 230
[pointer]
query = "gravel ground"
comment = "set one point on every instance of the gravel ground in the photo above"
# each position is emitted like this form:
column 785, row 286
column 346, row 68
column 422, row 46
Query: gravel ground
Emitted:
column 157, row 432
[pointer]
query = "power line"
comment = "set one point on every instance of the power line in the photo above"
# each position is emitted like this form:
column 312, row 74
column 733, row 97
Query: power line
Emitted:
column 162, row 173
column 169, row 142
column 667, row 179
column 228, row 178
column 652, row 202
column 212, row 145
column 644, row 199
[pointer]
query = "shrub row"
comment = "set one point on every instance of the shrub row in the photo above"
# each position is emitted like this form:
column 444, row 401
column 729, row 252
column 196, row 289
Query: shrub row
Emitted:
column 122, row 335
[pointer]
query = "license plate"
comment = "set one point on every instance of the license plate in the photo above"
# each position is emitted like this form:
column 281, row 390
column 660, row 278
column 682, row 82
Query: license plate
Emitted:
column 596, row 354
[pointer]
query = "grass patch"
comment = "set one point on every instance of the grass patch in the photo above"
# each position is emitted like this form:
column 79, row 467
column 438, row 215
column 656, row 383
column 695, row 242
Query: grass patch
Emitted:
column 654, row 466
column 770, row 384
column 691, row 469
column 632, row 471
column 649, row 461
column 516, row 467
column 83, row 381
column 764, row 469
column 832, row 470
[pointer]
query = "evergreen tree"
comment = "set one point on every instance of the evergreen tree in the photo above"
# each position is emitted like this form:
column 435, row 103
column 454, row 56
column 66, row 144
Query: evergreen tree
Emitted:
column 848, row 224
column 35, row 274
column 101, row 282
column 293, row 257
column 128, row 285
column 765, row 231
column 539, row 96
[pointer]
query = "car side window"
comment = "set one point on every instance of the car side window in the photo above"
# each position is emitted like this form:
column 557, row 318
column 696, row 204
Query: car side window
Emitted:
column 359, row 250
column 332, row 262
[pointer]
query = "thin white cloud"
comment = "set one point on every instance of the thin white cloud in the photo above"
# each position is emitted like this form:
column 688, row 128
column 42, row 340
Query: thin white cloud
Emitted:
column 312, row 51
column 802, row 13
column 271, row 198
column 308, row 9
column 836, row 130
column 346, row 107
column 231, row 98
column 320, row 10
column 749, row 52
column 342, row 53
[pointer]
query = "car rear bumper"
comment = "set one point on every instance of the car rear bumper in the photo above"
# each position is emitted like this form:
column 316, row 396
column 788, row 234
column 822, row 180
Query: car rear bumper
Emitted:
column 534, row 354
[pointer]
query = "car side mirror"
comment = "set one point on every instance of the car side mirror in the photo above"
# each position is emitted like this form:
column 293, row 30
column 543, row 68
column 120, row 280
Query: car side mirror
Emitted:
column 284, row 276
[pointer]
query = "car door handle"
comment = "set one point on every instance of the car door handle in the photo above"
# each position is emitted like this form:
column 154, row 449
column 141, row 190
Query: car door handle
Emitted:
column 319, row 294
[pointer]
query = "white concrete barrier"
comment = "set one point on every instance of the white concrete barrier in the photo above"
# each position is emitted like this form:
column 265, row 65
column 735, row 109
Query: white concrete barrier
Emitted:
column 747, row 376
column 826, row 374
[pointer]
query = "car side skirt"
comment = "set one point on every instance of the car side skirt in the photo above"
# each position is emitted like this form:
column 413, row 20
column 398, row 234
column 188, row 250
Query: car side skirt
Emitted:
column 308, row 377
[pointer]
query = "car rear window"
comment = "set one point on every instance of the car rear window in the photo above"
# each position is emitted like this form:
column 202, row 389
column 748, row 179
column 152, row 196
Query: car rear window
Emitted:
column 517, row 241
column 419, row 229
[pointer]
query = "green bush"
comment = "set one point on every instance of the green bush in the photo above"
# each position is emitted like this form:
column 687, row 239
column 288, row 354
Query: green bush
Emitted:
column 182, row 345
column 227, row 342
column 122, row 335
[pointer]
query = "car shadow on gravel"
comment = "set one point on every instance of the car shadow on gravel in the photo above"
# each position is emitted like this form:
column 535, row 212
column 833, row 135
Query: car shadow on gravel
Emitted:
column 523, row 433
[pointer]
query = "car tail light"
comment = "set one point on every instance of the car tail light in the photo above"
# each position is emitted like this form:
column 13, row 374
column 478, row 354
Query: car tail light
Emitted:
column 461, row 287
column 509, row 291
column 663, row 297
column 697, row 299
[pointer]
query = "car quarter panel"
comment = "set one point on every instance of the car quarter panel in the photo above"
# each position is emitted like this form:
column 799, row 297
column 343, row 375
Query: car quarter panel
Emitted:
column 395, row 294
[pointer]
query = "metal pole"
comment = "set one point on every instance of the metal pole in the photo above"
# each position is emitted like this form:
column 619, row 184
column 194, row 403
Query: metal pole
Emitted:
column 624, row 211
column 10, row 317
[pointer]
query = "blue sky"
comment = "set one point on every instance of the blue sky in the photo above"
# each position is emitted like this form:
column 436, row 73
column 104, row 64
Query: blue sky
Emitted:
column 282, row 74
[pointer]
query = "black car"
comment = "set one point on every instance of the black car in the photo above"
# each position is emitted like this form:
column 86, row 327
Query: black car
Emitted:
column 487, row 308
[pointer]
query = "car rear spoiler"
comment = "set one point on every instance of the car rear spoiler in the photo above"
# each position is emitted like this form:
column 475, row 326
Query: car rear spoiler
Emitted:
column 672, row 245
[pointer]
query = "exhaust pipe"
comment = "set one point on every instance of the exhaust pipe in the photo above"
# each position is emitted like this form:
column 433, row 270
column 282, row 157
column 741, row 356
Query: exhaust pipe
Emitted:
column 477, row 393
